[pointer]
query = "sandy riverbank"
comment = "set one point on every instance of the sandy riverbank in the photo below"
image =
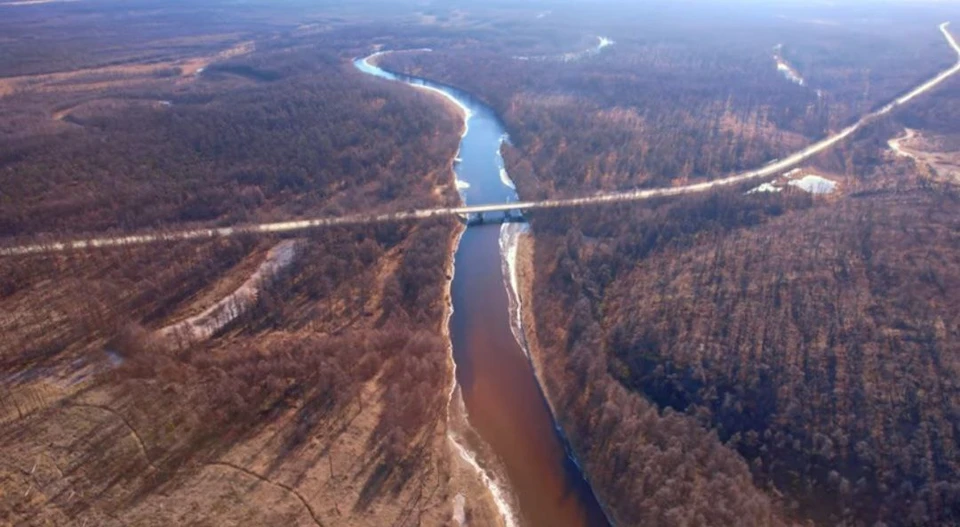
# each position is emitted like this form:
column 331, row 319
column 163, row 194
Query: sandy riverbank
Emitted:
column 473, row 502
column 526, row 278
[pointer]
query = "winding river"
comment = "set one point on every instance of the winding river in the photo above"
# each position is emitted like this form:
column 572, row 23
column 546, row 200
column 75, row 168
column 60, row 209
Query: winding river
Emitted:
column 533, row 479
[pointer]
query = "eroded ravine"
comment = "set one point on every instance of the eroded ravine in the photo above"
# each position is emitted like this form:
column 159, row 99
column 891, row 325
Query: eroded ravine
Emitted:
column 532, row 478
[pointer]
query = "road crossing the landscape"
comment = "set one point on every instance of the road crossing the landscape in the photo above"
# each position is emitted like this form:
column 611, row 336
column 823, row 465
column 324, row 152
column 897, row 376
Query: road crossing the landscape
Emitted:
column 771, row 169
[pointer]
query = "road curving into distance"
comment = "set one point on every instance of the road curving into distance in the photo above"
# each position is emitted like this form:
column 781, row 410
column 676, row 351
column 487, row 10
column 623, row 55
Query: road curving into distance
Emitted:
column 613, row 197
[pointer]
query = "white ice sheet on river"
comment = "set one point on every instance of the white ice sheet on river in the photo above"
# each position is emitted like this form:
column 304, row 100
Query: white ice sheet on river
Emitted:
column 497, row 489
column 509, row 239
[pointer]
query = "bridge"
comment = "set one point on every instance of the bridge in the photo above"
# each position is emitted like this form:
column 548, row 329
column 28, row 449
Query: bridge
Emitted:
column 475, row 214
column 495, row 217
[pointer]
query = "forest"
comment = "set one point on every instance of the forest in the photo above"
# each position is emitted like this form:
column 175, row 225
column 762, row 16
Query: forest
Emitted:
column 333, row 384
column 324, row 400
column 224, row 150
column 794, row 344
column 815, row 337
column 678, row 97
column 724, row 359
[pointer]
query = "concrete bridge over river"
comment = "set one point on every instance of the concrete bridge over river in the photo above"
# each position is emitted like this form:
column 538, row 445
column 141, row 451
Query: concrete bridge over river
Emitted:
column 475, row 214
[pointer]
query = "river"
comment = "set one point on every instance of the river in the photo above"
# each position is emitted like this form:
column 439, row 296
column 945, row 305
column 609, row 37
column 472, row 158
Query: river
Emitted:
column 503, row 399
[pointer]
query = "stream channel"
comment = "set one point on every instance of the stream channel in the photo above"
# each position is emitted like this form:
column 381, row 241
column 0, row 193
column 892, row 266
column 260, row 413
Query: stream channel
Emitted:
column 543, row 486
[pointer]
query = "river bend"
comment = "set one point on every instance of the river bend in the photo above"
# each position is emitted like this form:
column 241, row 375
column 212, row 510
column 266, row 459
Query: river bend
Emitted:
column 504, row 402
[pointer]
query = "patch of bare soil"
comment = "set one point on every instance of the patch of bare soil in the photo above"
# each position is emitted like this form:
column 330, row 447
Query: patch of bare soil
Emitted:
column 119, row 76
column 936, row 155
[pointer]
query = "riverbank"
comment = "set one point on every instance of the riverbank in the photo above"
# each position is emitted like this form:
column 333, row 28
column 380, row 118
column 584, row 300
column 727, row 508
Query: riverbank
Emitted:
column 525, row 281
column 480, row 496
column 646, row 466
column 473, row 499
column 500, row 423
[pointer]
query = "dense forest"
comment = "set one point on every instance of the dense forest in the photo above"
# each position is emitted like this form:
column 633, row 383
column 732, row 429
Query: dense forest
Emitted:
column 676, row 99
column 725, row 359
column 795, row 344
column 333, row 384
column 323, row 401
column 813, row 336
column 315, row 141
column 822, row 354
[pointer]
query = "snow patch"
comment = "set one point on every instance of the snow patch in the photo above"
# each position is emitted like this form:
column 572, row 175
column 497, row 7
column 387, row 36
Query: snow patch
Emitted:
column 505, row 178
column 509, row 240
column 894, row 144
column 765, row 187
column 602, row 42
column 814, row 184
column 811, row 183
column 790, row 73
column 216, row 317
column 499, row 495
column 784, row 67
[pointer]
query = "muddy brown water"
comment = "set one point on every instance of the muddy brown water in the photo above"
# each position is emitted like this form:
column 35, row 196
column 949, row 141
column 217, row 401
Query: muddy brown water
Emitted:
column 504, row 402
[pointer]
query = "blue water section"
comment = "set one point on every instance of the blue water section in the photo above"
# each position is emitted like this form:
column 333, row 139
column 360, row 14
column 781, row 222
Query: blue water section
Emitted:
column 504, row 401
column 482, row 151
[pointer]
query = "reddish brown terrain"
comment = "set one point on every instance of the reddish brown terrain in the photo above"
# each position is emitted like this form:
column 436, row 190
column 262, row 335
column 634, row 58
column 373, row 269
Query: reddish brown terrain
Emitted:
column 728, row 358
column 285, row 410
column 814, row 337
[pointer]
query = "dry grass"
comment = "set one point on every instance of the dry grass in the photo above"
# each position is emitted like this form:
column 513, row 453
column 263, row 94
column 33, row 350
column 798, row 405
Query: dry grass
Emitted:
column 51, row 473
